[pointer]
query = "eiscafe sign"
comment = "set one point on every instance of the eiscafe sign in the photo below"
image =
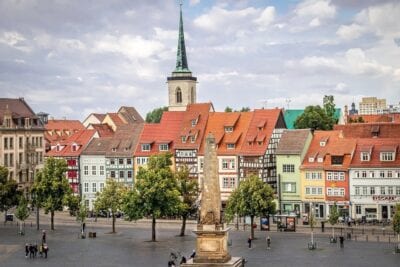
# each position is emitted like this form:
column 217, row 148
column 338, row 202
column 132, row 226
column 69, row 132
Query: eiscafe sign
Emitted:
column 384, row 198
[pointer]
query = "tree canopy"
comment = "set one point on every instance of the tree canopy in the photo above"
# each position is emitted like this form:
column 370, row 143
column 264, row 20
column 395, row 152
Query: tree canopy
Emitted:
column 189, row 191
column 333, row 217
column 111, row 199
column 243, row 109
column 252, row 198
column 9, row 194
column 51, row 188
column 396, row 222
column 155, row 193
column 155, row 115
column 318, row 118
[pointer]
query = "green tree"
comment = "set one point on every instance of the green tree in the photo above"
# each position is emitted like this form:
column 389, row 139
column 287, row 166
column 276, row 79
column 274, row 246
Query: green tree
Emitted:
column 314, row 117
column 228, row 109
column 396, row 222
column 155, row 115
column 73, row 202
column 51, row 188
column 9, row 193
column 81, row 213
column 189, row 192
column 333, row 218
column 245, row 109
column 22, row 212
column 111, row 199
column 252, row 198
column 329, row 105
column 155, row 193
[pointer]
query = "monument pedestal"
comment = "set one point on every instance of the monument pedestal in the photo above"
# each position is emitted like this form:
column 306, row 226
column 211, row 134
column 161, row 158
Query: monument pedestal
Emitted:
column 212, row 248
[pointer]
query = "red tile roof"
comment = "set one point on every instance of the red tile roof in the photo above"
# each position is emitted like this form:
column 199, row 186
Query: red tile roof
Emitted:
column 58, row 130
column 376, row 146
column 263, row 123
column 366, row 130
column 79, row 140
column 392, row 117
column 216, row 124
column 335, row 145
column 116, row 119
column 164, row 132
column 103, row 129
column 200, row 113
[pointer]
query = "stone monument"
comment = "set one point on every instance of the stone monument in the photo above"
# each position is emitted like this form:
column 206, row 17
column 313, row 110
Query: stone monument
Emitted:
column 212, row 234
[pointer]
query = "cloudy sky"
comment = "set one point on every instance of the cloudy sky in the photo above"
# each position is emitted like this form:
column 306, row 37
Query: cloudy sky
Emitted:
column 70, row 57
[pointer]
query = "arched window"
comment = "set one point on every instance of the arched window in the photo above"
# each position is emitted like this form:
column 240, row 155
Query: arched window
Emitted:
column 178, row 95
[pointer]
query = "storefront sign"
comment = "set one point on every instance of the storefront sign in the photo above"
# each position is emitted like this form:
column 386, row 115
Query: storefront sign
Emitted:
column 384, row 198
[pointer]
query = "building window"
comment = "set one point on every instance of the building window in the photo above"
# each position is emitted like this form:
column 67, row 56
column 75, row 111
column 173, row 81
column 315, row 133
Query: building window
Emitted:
column 358, row 209
column 121, row 174
column 129, row 174
column 94, row 188
column 86, row 187
column 101, row 187
column 129, row 161
column 337, row 160
column 201, row 164
column 145, row 147
column 364, row 174
column 398, row 190
column 313, row 190
column 112, row 161
column 289, row 187
column 382, row 174
column 337, row 191
column 121, row 161
column 228, row 129
column 390, row 190
column 112, row 174
column 101, row 170
column 228, row 164
column 5, row 141
column 288, row 167
column 371, row 174
column 86, row 170
column 372, row 190
column 357, row 190
column 163, row 147
column 229, row 182
column 178, row 94
column 183, row 138
column 194, row 122
column 383, row 190
column 87, row 203
column 364, row 156
column 365, row 190
column 11, row 143
column 21, row 143
column 230, row 146
column 387, row 156
column 93, row 170
column 389, row 174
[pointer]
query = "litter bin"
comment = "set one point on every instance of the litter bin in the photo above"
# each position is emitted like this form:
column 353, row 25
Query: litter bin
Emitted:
column 322, row 227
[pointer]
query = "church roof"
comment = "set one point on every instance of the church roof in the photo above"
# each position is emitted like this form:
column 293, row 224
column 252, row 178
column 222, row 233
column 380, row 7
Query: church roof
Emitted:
column 181, row 58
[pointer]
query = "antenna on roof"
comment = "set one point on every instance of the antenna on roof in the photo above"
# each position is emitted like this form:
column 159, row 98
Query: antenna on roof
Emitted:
column 288, row 100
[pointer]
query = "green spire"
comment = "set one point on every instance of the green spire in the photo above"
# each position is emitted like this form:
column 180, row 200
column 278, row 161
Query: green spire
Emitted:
column 181, row 59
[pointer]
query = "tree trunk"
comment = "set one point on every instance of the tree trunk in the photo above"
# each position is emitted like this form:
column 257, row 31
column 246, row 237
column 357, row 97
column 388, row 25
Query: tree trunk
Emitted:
column 251, row 225
column 52, row 220
column 153, row 229
column 20, row 227
column 183, row 227
column 113, row 223
column 312, row 237
column 5, row 216
column 333, row 231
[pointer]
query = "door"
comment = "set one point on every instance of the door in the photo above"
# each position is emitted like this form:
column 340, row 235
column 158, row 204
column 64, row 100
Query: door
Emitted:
column 321, row 211
column 384, row 212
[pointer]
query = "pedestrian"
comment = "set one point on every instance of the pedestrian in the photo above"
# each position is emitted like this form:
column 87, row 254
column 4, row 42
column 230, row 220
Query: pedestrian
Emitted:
column 183, row 260
column 171, row 263
column 268, row 242
column 26, row 250
column 41, row 251
column 31, row 251
column 193, row 254
column 35, row 250
column 249, row 241
column 83, row 227
column 43, row 236
column 341, row 240
column 45, row 250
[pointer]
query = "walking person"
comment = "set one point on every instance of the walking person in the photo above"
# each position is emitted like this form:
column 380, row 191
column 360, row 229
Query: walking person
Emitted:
column 35, row 250
column 268, row 242
column 26, row 250
column 45, row 250
column 31, row 251
column 249, row 241
column 43, row 236
column 341, row 240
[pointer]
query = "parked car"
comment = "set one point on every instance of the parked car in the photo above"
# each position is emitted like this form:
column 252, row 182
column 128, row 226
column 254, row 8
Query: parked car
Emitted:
column 9, row 217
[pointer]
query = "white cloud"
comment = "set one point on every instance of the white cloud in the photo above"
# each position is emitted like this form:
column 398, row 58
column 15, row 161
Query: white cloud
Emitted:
column 316, row 8
column 133, row 47
column 15, row 40
column 194, row 2
column 266, row 17
column 350, row 32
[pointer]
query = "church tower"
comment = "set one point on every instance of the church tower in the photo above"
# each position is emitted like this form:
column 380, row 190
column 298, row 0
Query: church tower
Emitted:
column 181, row 84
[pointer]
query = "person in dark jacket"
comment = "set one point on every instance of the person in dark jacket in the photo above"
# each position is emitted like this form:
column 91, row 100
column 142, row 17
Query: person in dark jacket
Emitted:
column 249, row 241
column 26, row 250
column 45, row 250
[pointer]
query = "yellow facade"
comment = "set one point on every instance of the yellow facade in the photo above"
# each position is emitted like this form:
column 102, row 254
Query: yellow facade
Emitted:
column 313, row 185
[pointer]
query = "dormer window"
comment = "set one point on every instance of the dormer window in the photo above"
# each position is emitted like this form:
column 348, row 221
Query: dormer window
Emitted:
column 311, row 159
column 320, row 159
column 163, row 147
column 114, row 149
column 74, row 147
column 183, row 138
column 323, row 141
column 228, row 129
column 230, row 146
column 365, row 156
column 194, row 122
column 387, row 156
column 146, row 147
column 337, row 160
column 193, row 139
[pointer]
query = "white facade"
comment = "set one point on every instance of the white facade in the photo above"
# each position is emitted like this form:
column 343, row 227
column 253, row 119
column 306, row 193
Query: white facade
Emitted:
column 374, row 192
column 93, row 177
